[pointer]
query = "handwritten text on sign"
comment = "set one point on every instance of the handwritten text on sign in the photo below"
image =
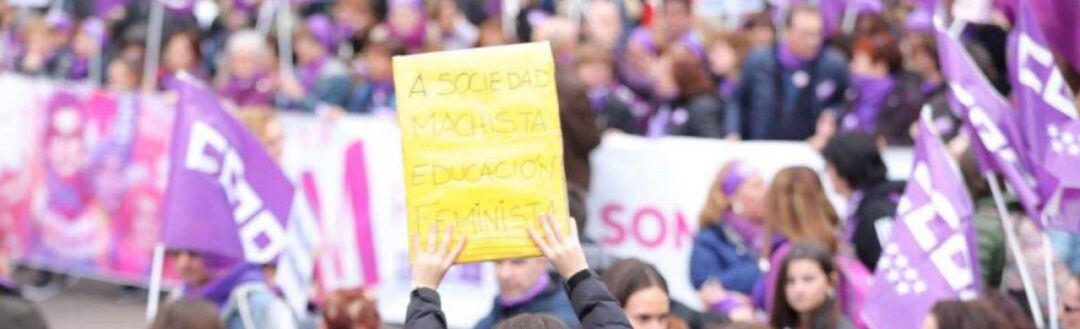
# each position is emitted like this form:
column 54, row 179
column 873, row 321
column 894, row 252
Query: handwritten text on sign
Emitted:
column 482, row 145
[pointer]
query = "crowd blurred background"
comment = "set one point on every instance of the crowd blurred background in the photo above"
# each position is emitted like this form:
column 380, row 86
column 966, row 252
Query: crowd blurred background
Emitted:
column 848, row 77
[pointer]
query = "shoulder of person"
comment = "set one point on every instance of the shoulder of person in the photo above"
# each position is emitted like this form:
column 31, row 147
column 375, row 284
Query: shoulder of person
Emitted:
column 762, row 56
column 832, row 58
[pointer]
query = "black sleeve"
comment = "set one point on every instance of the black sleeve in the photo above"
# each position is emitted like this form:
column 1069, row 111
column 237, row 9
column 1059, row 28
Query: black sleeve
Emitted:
column 425, row 310
column 593, row 304
column 866, row 241
column 705, row 117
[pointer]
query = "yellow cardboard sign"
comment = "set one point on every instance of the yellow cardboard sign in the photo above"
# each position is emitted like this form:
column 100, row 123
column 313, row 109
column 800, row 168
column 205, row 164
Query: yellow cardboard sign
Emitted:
column 482, row 145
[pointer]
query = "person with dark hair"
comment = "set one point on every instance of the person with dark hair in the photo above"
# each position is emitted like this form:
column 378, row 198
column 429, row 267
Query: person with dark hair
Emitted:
column 806, row 290
column 790, row 90
column 182, row 53
column 857, row 172
column 187, row 313
column 724, row 255
column 320, row 80
column 920, row 58
column 350, row 309
column 615, row 105
column 592, row 303
column 1009, row 307
column 643, row 294
column 695, row 109
column 375, row 94
column 239, row 290
column 955, row 314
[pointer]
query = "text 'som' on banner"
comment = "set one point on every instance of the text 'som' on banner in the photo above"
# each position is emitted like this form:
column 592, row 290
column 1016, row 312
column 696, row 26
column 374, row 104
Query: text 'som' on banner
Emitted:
column 482, row 145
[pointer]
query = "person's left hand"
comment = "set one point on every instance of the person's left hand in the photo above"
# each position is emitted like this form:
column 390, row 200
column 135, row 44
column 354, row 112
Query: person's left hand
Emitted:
column 563, row 251
column 430, row 264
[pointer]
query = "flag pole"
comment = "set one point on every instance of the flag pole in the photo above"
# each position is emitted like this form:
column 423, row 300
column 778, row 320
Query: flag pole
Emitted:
column 284, row 35
column 1051, row 284
column 1014, row 247
column 153, row 45
column 153, row 297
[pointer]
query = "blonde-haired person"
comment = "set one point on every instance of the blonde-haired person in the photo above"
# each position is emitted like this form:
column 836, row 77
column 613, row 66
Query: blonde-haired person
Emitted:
column 799, row 212
column 723, row 260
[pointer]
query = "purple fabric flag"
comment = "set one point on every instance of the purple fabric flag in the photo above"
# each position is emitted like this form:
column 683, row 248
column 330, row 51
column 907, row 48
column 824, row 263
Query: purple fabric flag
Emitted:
column 931, row 253
column 1057, row 19
column 1064, row 164
column 225, row 194
column 1045, row 105
column 989, row 120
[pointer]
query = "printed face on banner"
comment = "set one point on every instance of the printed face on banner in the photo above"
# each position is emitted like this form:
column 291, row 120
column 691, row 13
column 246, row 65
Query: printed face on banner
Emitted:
column 482, row 145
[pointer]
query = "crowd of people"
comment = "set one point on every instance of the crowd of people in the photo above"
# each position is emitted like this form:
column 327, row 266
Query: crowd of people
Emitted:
column 770, row 252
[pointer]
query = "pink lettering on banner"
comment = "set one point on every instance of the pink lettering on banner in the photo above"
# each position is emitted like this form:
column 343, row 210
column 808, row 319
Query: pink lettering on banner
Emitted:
column 648, row 226
column 356, row 186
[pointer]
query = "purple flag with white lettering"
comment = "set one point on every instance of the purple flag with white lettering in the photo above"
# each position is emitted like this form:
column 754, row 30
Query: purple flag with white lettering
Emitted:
column 1064, row 165
column 225, row 194
column 989, row 120
column 1045, row 105
column 931, row 253
column 1057, row 20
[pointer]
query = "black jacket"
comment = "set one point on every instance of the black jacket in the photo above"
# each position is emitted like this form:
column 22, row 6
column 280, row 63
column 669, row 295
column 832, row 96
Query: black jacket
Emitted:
column 876, row 210
column 592, row 303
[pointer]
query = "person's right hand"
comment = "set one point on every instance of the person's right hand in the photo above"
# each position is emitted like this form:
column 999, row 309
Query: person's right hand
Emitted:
column 711, row 292
column 430, row 264
column 563, row 251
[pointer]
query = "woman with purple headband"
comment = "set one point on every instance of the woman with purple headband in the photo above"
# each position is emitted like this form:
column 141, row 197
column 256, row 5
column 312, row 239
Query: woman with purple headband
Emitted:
column 723, row 260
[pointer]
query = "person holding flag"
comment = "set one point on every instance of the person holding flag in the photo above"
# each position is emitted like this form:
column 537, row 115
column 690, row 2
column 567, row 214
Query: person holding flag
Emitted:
column 225, row 210
column 930, row 254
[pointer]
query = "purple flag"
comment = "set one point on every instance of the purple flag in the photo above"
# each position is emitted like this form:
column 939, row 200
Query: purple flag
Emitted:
column 225, row 195
column 1057, row 19
column 1045, row 105
column 931, row 253
column 989, row 120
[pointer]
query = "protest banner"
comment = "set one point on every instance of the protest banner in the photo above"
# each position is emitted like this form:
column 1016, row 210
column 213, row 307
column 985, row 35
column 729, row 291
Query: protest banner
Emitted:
column 82, row 175
column 482, row 146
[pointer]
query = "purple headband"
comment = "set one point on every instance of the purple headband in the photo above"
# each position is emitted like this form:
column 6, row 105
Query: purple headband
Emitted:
column 323, row 30
column 735, row 177
column 95, row 28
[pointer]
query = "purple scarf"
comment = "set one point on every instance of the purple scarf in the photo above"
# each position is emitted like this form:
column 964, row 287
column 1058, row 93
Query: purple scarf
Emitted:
column 788, row 59
column 221, row 286
column 246, row 91
column 872, row 95
column 852, row 221
column 80, row 68
column 750, row 232
column 536, row 289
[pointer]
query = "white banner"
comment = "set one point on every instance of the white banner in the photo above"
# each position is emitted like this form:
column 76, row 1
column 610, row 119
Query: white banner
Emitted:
column 646, row 194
